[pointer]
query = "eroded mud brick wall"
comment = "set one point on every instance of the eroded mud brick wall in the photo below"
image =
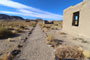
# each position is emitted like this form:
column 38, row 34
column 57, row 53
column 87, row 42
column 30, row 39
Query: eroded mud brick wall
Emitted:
column 83, row 28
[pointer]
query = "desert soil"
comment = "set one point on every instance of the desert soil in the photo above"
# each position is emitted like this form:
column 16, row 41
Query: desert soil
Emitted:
column 69, row 39
column 36, row 48
column 6, row 46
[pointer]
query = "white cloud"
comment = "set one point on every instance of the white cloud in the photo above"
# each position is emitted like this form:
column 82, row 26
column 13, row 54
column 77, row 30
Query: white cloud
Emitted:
column 12, row 4
column 27, row 10
column 9, row 12
column 40, row 15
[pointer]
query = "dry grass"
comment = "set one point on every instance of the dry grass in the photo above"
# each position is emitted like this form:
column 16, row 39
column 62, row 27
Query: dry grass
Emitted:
column 86, row 53
column 47, row 26
column 52, row 41
column 41, row 25
column 20, row 37
column 10, row 39
column 81, row 39
column 22, row 27
column 14, row 31
column 4, row 32
column 50, row 38
column 45, row 30
column 54, row 27
column 68, row 52
column 18, row 30
column 7, row 55
column 7, row 28
column 50, row 26
column 16, row 23
column 63, row 33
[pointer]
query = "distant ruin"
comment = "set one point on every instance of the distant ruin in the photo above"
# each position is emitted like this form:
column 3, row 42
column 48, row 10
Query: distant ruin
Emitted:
column 48, row 22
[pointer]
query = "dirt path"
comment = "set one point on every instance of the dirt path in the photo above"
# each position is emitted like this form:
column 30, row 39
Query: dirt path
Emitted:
column 36, row 47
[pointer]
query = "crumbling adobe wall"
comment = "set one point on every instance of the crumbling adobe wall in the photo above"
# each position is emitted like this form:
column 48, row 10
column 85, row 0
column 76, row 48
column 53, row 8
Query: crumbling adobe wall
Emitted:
column 84, row 19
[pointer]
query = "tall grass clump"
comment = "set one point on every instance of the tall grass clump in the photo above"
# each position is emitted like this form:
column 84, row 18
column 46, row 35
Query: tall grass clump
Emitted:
column 4, row 32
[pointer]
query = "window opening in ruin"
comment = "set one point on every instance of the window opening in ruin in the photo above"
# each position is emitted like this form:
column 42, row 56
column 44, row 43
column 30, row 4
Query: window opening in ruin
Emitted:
column 75, row 19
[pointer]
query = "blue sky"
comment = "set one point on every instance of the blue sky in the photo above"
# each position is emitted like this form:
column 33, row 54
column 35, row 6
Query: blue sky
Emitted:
column 32, row 9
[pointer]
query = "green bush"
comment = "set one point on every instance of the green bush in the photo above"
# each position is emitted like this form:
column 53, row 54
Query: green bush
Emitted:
column 4, row 32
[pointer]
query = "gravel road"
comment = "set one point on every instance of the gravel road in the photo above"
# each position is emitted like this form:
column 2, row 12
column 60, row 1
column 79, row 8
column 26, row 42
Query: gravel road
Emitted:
column 36, row 47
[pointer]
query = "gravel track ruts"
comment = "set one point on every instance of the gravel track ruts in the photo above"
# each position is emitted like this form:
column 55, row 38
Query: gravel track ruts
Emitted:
column 36, row 48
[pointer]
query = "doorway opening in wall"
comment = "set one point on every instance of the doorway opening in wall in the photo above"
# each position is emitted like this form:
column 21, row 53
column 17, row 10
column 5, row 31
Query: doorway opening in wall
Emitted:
column 75, row 21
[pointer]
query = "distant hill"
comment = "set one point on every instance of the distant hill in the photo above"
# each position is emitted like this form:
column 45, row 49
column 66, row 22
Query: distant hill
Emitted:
column 8, row 17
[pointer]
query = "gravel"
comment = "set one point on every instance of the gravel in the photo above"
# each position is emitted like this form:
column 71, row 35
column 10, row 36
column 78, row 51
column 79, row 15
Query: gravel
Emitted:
column 36, row 47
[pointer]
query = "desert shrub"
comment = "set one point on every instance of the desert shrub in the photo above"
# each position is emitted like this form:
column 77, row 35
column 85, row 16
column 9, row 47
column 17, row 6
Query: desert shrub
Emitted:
column 47, row 26
column 22, row 27
column 86, row 53
column 41, row 25
column 54, row 27
column 14, row 31
column 68, row 52
column 63, row 33
column 4, row 32
column 20, row 37
column 33, row 25
column 10, row 39
column 52, row 41
column 50, row 38
column 83, row 41
column 18, row 30
column 45, row 30
column 10, row 28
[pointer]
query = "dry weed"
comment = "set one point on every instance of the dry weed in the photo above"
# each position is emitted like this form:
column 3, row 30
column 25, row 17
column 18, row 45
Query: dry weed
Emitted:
column 63, row 33
column 10, row 39
column 45, row 30
column 54, row 27
column 86, row 53
column 68, row 52
column 50, row 38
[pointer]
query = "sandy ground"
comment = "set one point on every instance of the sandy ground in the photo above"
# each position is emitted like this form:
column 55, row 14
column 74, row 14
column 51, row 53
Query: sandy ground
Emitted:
column 6, row 46
column 36, row 47
column 71, row 40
